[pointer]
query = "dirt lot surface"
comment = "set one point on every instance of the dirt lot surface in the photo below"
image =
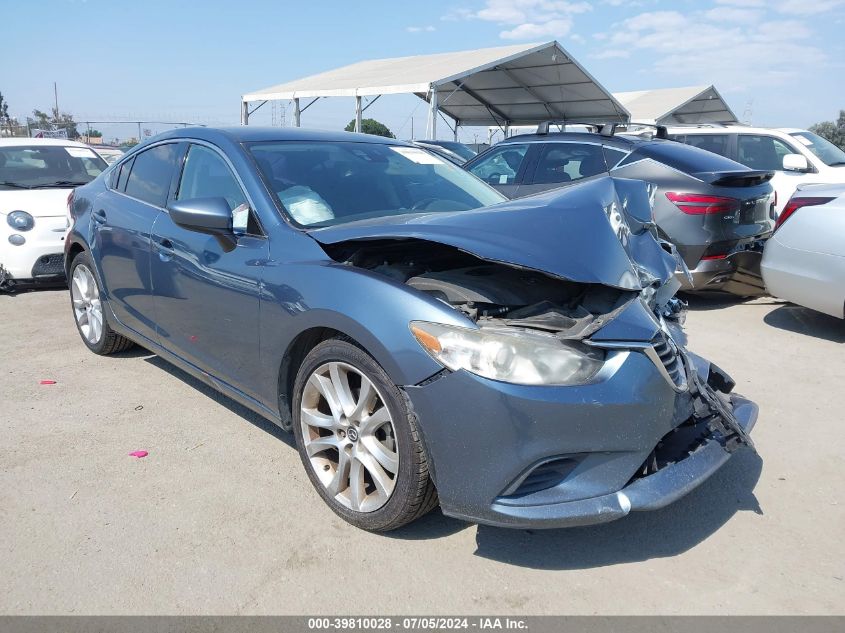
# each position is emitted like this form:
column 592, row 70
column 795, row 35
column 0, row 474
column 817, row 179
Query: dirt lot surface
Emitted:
column 220, row 517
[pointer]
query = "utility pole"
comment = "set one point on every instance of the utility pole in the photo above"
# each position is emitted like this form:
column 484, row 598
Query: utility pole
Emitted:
column 56, row 100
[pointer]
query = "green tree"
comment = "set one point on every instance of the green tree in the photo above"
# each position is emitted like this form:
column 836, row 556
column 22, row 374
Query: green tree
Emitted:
column 371, row 126
column 61, row 120
column 4, row 114
column 833, row 131
column 93, row 132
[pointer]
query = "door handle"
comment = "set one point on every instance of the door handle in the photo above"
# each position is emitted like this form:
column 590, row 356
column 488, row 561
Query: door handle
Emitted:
column 164, row 244
column 99, row 216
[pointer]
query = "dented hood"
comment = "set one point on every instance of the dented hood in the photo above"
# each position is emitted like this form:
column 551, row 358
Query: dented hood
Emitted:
column 573, row 233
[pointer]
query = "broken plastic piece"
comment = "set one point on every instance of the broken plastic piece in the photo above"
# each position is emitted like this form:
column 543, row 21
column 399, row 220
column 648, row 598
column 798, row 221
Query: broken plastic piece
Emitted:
column 48, row 382
column 138, row 454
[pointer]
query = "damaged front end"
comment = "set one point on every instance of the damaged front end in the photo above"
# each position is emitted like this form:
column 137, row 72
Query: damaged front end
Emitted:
column 569, row 290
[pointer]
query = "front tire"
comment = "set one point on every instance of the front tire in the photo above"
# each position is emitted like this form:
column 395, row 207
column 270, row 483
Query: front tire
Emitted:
column 89, row 312
column 358, row 439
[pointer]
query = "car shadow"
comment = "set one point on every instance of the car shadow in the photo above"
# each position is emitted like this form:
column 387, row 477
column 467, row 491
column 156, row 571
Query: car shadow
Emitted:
column 235, row 407
column 637, row 537
column 801, row 320
column 701, row 302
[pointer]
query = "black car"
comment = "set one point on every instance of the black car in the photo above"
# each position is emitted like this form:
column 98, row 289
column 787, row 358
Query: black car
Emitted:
column 717, row 212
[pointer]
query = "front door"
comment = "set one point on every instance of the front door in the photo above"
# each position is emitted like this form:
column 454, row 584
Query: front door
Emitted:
column 206, row 285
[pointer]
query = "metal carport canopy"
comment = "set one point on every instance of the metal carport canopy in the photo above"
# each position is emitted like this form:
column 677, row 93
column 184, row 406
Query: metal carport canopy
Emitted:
column 509, row 85
column 667, row 106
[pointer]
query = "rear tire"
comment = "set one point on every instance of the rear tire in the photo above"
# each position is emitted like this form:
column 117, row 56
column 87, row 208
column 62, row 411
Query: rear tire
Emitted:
column 357, row 437
column 89, row 313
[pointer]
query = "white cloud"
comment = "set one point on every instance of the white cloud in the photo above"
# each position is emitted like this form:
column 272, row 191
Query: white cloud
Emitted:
column 526, row 19
column 702, row 47
column 611, row 53
column 733, row 14
column 531, row 31
column 807, row 7
column 419, row 29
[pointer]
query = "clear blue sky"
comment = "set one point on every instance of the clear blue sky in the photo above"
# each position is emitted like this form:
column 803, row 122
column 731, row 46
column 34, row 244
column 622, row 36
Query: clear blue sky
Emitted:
column 777, row 62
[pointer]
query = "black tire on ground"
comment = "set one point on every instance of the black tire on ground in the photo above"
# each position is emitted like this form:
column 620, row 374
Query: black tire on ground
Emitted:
column 110, row 342
column 414, row 494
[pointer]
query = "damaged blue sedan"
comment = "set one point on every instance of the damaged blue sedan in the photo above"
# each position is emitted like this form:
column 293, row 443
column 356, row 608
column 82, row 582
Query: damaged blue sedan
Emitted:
column 520, row 364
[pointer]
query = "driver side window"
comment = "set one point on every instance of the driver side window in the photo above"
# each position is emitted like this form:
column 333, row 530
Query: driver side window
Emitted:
column 206, row 175
column 501, row 165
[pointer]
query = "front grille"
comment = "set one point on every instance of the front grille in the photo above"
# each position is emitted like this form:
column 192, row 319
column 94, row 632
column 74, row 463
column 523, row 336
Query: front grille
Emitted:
column 668, row 356
column 49, row 265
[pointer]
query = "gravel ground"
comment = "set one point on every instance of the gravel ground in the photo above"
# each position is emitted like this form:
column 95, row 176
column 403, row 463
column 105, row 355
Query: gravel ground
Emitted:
column 221, row 519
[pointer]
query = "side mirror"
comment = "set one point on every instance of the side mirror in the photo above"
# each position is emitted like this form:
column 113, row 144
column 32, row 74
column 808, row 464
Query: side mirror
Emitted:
column 211, row 214
column 795, row 162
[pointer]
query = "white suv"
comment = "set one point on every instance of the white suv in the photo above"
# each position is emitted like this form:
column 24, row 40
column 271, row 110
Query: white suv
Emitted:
column 796, row 156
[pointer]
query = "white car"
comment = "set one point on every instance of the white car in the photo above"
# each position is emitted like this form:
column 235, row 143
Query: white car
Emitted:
column 108, row 153
column 796, row 156
column 804, row 260
column 36, row 178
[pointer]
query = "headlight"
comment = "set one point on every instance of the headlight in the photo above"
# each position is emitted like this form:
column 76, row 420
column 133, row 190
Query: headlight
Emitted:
column 20, row 220
column 522, row 357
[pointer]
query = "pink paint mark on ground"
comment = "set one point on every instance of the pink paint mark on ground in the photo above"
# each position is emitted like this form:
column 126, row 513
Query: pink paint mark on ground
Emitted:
column 48, row 382
column 138, row 454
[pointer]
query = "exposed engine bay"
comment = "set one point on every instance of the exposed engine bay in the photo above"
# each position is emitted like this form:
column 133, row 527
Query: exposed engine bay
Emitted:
column 489, row 292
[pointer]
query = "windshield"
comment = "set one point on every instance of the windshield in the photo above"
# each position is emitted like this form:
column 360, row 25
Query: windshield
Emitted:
column 824, row 150
column 45, row 166
column 329, row 183
column 453, row 146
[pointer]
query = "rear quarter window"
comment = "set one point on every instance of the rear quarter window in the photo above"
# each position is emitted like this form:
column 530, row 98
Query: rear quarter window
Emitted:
column 684, row 158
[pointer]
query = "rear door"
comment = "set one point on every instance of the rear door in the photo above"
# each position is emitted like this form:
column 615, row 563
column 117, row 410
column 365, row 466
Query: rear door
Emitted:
column 122, row 222
column 502, row 167
column 207, row 284
column 561, row 164
column 761, row 151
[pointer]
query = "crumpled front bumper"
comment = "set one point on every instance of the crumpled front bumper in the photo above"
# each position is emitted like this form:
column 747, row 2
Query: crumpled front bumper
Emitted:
column 484, row 438
column 646, row 493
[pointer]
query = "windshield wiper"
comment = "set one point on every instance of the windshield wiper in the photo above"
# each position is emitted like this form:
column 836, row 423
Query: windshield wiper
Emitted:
column 60, row 183
column 15, row 185
column 835, row 163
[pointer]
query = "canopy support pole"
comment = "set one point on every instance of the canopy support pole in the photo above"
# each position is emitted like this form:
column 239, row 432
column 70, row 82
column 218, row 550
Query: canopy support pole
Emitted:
column 358, row 113
column 432, row 114
column 457, row 123
column 244, row 113
column 296, row 112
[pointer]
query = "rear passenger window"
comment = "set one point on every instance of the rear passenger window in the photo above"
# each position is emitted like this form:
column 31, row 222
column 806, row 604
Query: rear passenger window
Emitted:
column 123, row 175
column 716, row 143
column 152, row 171
column 761, row 152
column 565, row 162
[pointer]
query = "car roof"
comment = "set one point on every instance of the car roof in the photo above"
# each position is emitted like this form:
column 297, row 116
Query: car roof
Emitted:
column 628, row 142
column 22, row 141
column 252, row 134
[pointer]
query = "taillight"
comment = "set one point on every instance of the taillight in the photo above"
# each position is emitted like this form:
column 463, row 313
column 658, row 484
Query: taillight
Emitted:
column 698, row 204
column 796, row 203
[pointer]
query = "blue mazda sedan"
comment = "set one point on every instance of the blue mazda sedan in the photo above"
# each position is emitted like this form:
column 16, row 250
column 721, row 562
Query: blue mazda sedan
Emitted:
column 518, row 363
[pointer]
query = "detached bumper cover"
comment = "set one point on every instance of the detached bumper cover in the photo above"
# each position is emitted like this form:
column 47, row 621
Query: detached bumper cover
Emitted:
column 602, row 434
column 647, row 493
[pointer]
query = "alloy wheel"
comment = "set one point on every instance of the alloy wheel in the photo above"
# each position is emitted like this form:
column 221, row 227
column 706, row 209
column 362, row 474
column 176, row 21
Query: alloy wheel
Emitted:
column 349, row 437
column 87, row 308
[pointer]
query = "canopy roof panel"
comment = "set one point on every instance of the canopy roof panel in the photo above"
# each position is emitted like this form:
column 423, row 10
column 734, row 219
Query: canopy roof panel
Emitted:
column 514, row 85
column 667, row 106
